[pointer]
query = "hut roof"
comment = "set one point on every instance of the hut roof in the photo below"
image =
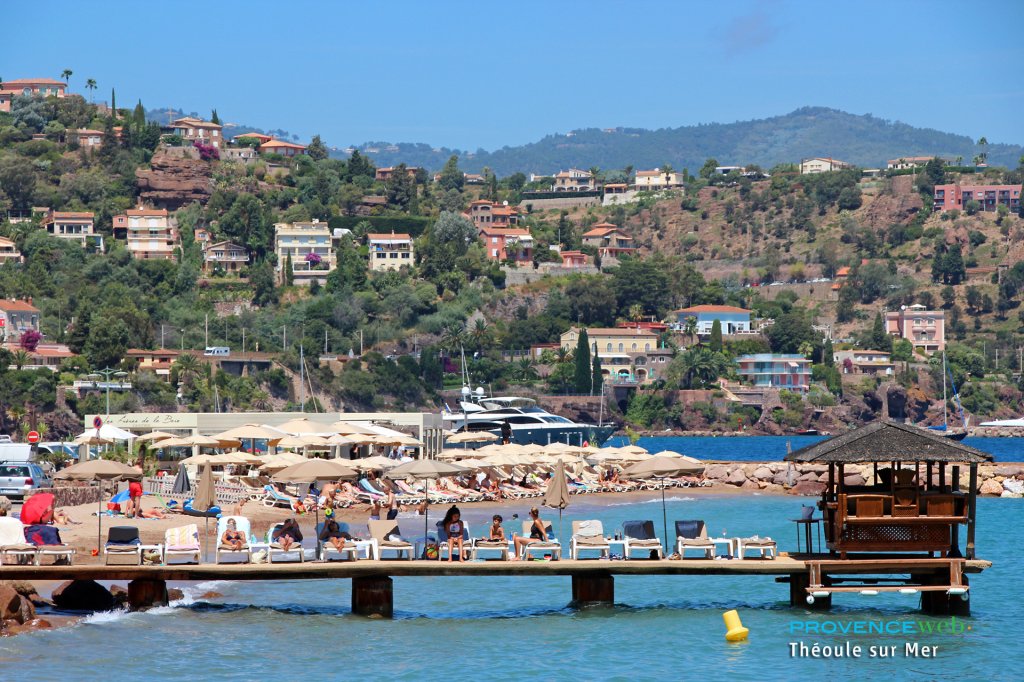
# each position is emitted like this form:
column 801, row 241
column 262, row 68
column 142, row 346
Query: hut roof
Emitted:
column 887, row 441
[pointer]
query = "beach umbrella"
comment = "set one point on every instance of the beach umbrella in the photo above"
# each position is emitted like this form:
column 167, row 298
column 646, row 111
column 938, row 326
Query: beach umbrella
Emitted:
column 425, row 469
column 348, row 428
column 108, row 431
column 211, row 442
column 312, row 471
column 662, row 467
column 91, row 439
column 197, row 460
column 374, row 463
column 173, row 442
column 633, row 449
column 556, row 495
column 292, row 442
column 98, row 470
column 206, row 497
column 251, row 433
column 154, row 435
column 472, row 437
column 182, row 486
column 303, row 426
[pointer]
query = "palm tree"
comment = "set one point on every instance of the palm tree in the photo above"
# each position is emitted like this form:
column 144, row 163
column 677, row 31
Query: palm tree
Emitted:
column 261, row 399
column 65, row 75
column 188, row 367
column 524, row 370
column 453, row 337
column 90, row 85
column 690, row 328
column 666, row 170
column 595, row 171
column 480, row 334
column 806, row 349
column 983, row 154
column 959, row 160
column 636, row 312
column 21, row 358
column 563, row 354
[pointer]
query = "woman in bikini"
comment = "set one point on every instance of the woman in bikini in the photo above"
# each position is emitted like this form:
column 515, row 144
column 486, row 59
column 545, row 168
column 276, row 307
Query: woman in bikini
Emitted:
column 537, row 534
column 287, row 534
column 233, row 538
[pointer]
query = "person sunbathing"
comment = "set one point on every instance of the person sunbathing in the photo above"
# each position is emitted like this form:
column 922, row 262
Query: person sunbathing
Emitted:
column 233, row 538
column 287, row 534
column 537, row 534
column 333, row 535
column 154, row 513
column 496, row 533
column 454, row 528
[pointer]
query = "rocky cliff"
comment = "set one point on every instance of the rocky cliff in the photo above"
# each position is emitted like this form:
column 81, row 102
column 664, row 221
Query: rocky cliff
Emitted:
column 174, row 182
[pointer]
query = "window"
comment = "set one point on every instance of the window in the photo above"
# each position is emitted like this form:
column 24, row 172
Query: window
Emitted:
column 647, row 346
column 381, row 255
column 609, row 348
column 405, row 255
column 622, row 347
column 634, row 347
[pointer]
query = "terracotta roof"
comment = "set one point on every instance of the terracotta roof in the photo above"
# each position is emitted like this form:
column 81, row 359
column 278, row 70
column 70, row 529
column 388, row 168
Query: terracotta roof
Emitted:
column 70, row 215
column 260, row 136
column 141, row 352
column 843, row 271
column 10, row 306
column 4, row 241
column 223, row 244
column 276, row 144
column 713, row 309
column 505, row 231
column 617, row 331
column 53, row 352
column 88, row 131
column 649, row 174
column 194, row 123
column 393, row 237
column 34, row 81
column 143, row 212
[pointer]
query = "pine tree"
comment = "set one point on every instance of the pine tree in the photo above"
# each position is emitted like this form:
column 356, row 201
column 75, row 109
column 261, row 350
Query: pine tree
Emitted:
column 596, row 377
column 583, row 369
column 316, row 150
column 716, row 336
column 879, row 339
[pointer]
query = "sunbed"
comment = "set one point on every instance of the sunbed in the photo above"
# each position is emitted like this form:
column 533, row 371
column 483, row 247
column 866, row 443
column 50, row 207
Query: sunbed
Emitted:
column 275, row 550
column 639, row 535
column 245, row 528
column 442, row 542
column 765, row 547
column 552, row 547
column 182, row 542
column 273, row 497
column 13, row 547
column 588, row 535
column 383, row 532
column 693, row 535
column 328, row 552
column 123, row 546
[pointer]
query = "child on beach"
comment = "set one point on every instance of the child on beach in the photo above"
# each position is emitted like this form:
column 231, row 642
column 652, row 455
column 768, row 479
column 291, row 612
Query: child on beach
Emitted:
column 453, row 527
column 496, row 533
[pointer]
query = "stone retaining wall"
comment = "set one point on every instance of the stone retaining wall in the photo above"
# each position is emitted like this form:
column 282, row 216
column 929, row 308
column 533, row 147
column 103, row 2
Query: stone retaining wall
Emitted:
column 74, row 495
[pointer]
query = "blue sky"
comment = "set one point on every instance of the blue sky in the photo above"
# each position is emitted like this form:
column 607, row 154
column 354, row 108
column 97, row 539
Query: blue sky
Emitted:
column 480, row 75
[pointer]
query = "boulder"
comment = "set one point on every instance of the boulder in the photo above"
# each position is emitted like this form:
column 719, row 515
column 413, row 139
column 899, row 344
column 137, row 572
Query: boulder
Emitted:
column 1009, row 470
column 809, row 476
column 772, row 488
column 174, row 594
column 209, row 595
column 120, row 594
column 811, row 488
column 763, row 473
column 853, row 479
column 991, row 487
column 750, row 484
column 782, row 479
column 11, row 628
column 14, row 607
column 174, row 182
column 737, row 477
column 823, row 478
column 83, row 595
column 1013, row 485
column 717, row 472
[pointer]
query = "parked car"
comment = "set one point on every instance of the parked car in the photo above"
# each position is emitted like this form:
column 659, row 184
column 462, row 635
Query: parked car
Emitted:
column 19, row 479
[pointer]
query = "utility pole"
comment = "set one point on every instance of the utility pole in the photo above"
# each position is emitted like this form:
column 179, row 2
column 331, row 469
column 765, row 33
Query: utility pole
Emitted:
column 206, row 332
column 997, row 359
column 182, row 340
column 243, row 340
column 360, row 343
column 161, row 336
column 302, row 379
column 284, row 338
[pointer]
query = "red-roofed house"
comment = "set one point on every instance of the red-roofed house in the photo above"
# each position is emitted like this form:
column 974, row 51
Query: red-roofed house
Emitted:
column 573, row 259
column 609, row 240
column 197, row 130
column 657, row 179
column 574, row 180
column 157, row 361
column 390, row 251
column 384, row 174
column 89, row 138
column 732, row 319
column 76, row 226
column 485, row 213
column 9, row 251
column 507, row 243
column 17, row 316
column 47, row 87
column 227, row 256
column 252, row 136
column 283, row 148
column 45, row 356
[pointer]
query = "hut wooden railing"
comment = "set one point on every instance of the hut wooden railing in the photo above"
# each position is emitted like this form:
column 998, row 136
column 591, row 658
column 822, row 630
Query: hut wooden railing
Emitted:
column 866, row 522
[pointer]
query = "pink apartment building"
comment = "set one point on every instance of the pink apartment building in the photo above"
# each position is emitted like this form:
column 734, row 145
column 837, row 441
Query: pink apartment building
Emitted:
column 926, row 329
column 948, row 197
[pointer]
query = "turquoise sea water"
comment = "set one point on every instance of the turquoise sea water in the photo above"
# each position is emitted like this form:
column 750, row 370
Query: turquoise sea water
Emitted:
column 747, row 448
column 509, row 628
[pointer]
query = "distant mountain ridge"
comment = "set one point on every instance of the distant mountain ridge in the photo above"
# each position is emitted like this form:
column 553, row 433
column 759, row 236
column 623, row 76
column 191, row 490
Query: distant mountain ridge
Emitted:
column 864, row 140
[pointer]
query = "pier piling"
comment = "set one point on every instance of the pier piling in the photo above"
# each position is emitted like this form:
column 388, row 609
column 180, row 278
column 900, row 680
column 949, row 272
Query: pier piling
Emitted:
column 593, row 590
column 373, row 596
column 145, row 593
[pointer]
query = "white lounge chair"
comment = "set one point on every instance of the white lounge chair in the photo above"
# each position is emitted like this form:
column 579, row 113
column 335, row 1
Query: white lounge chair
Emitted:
column 552, row 547
column 588, row 535
column 245, row 528
column 489, row 546
column 382, row 532
column 274, row 548
column 693, row 535
column 640, row 536
column 183, row 541
column 329, row 552
column 13, row 547
column 765, row 547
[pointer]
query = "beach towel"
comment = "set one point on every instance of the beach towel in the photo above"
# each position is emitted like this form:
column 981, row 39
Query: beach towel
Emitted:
column 39, row 534
column 182, row 538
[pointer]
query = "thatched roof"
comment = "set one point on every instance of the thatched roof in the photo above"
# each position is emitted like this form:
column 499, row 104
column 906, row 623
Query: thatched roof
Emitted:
column 886, row 441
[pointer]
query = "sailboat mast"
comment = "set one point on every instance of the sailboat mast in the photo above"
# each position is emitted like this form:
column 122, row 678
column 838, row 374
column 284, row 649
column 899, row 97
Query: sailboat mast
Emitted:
column 945, row 420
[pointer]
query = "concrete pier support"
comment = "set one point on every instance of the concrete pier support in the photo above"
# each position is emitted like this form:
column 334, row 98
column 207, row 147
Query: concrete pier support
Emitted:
column 144, row 594
column 798, row 584
column 942, row 604
column 593, row 590
column 373, row 596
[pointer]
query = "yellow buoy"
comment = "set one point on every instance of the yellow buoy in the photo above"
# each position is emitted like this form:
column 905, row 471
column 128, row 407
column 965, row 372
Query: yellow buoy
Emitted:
column 734, row 630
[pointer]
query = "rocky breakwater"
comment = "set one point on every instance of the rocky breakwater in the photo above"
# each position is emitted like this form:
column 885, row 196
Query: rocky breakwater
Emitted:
column 173, row 182
column 795, row 478
column 18, row 602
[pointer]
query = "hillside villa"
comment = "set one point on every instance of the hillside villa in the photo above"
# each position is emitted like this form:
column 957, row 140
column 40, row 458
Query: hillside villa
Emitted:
column 24, row 87
column 193, row 130
column 775, row 370
column 9, row 251
column 311, row 250
column 149, row 233
column 654, row 180
column 872, row 362
column 17, row 316
column 908, row 162
column 283, row 148
column 627, row 355
column 822, row 165
column 74, row 225
column 226, row 256
column 507, row 243
column 609, row 240
column 948, row 197
column 574, row 180
column 158, row 362
column 733, row 320
column 390, row 251
column 924, row 328
column 244, row 137
column 89, row 138
column 385, row 174
column 573, row 259
column 485, row 213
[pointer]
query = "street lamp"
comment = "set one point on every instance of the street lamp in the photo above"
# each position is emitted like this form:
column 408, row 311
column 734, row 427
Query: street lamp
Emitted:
column 106, row 373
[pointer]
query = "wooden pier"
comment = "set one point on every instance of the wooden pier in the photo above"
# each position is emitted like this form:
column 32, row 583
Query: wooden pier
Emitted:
column 817, row 576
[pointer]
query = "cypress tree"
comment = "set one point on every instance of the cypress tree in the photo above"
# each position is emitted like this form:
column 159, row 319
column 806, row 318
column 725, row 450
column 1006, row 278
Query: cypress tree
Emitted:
column 716, row 336
column 289, row 274
column 583, row 368
column 827, row 354
column 113, row 102
column 596, row 378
